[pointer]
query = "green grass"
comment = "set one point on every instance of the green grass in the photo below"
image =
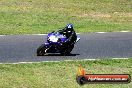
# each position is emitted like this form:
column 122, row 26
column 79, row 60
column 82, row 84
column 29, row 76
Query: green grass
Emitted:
column 61, row 74
column 42, row 16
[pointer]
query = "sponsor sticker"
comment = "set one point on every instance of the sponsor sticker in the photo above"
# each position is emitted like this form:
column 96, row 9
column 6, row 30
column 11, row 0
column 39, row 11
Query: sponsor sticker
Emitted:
column 83, row 78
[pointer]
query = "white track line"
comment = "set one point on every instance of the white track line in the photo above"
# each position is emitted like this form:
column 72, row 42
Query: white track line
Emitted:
column 32, row 34
column 2, row 35
column 124, row 31
column 38, row 34
column 76, row 33
column 119, row 58
column 44, row 34
column 101, row 32
column 63, row 60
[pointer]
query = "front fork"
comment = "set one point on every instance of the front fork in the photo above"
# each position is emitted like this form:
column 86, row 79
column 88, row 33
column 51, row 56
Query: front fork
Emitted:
column 47, row 47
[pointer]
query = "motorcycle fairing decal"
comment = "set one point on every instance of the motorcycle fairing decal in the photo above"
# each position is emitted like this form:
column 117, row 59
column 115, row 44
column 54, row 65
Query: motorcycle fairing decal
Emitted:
column 53, row 38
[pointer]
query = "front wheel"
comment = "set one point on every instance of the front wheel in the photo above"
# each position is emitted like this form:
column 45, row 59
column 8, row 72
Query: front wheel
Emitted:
column 41, row 50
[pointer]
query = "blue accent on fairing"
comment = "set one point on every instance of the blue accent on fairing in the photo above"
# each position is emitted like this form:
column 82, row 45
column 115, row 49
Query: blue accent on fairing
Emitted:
column 63, row 39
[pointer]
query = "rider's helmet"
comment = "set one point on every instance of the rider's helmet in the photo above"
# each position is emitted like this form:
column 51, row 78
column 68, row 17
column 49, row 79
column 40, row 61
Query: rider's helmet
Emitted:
column 69, row 27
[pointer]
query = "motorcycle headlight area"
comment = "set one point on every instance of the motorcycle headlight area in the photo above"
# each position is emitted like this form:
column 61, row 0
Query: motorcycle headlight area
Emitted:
column 53, row 39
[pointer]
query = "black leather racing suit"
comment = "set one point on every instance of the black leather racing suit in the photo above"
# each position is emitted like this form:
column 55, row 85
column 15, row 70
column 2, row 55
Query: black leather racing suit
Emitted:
column 71, row 36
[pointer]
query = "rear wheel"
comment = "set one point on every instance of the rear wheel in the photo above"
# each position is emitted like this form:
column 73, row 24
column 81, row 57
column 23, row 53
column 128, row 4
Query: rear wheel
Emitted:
column 41, row 50
column 67, row 50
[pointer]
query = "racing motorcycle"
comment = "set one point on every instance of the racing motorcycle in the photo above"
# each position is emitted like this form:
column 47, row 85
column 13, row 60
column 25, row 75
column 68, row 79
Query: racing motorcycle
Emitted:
column 54, row 44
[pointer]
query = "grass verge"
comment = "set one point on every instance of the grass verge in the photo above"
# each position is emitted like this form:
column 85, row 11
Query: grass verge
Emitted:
column 60, row 74
column 43, row 16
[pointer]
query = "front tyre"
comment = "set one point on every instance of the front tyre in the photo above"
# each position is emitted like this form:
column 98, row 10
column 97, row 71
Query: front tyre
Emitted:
column 41, row 50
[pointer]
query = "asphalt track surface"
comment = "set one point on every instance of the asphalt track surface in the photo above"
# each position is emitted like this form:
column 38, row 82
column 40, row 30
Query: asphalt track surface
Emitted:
column 22, row 48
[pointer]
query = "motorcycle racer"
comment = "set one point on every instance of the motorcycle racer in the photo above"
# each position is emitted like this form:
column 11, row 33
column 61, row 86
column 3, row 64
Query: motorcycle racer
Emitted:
column 61, row 41
column 69, row 32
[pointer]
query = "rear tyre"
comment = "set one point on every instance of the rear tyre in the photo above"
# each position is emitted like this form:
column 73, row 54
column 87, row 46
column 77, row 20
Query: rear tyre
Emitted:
column 66, row 51
column 41, row 50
